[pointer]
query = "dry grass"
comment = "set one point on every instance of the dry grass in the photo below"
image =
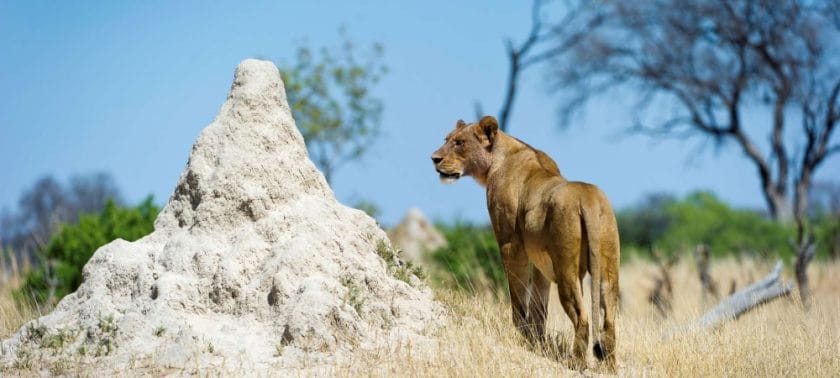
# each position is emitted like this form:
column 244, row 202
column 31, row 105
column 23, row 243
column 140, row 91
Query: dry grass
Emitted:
column 778, row 339
column 12, row 316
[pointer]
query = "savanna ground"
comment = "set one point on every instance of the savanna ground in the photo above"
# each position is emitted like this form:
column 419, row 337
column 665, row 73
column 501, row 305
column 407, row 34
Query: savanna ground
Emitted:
column 778, row 339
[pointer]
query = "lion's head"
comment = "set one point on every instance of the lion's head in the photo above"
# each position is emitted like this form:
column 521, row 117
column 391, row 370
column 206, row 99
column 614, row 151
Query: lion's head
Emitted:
column 467, row 151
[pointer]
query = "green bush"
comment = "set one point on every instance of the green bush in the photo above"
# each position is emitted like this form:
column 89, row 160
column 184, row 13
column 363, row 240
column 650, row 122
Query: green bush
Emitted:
column 644, row 225
column 826, row 228
column 471, row 260
column 60, row 271
column 703, row 218
column 677, row 226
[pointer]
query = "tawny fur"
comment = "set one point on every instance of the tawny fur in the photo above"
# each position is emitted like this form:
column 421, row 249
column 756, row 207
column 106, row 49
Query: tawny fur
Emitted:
column 564, row 229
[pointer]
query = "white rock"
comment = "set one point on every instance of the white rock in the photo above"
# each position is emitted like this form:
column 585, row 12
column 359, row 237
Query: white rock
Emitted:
column 416, row 236
column 253, row 264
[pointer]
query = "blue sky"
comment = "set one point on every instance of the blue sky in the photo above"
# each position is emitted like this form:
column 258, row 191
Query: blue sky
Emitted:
column 125, row 87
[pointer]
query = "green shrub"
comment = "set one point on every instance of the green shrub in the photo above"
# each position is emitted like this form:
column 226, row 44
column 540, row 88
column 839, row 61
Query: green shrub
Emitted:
column 703, row 218
column 677, row 226
column 471, row 260
column 644, row 225
column 826, row 228
column 60, row 271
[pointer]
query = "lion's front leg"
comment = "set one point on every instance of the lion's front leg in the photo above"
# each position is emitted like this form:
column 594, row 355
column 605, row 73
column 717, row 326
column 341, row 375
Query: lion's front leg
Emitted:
column 515, row 262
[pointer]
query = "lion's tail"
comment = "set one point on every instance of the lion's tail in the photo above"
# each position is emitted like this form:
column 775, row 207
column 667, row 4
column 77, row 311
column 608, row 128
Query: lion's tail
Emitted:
column 593, row 235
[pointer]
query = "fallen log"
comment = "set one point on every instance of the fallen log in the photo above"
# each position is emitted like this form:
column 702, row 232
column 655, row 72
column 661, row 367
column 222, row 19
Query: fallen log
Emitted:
column 765, row 290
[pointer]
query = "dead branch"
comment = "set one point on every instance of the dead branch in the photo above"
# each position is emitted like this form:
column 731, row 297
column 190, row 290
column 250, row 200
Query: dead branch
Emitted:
column 767, row 289
column 751, row 297
column 544, row 42
column 662, row 294
column 702, row 258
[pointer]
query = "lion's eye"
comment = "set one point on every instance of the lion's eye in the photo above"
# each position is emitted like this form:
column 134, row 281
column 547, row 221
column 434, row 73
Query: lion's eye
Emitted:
column 459, row 142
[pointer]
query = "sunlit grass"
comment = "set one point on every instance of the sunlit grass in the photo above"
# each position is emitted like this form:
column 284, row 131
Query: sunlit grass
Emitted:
column 12, row 314
column 778, row 339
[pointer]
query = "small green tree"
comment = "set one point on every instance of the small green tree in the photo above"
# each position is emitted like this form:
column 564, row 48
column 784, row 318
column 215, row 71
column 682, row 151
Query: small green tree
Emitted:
column 60, row 271
column 330, row 97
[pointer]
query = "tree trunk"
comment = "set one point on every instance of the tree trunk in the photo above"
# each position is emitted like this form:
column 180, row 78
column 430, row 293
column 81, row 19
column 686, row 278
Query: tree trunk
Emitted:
column 709, row 287
column 662, row 294
column 774, row 190
column 780, row 207
column 805, row 250
column 800, row 199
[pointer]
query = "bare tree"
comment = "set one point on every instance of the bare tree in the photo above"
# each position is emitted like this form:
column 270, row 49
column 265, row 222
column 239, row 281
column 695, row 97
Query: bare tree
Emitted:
column 544, row 40
column 713, row 60
column 42, row 208
column 88, row 193
column 48, row 203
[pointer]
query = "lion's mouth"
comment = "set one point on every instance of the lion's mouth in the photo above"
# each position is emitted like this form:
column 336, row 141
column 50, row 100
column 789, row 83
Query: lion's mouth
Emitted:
column 448, row 177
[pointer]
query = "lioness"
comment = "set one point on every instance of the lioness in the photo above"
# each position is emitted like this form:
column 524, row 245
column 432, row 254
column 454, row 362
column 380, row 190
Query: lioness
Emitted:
column 563, row 228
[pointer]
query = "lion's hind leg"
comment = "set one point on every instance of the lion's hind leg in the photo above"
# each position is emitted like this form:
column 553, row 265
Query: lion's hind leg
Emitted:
column 571, row 297
column 609, row 298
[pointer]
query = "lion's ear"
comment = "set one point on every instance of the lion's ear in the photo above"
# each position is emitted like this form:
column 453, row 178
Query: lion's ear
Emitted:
column 489, row 126
column 460, row 124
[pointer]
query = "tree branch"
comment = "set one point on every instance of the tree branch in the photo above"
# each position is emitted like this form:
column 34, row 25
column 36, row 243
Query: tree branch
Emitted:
column 816, row 150
column 770, row 287
column 831, row 119
column 742, row 301
column 778, row 141
column 568, row 41
column 515, row 54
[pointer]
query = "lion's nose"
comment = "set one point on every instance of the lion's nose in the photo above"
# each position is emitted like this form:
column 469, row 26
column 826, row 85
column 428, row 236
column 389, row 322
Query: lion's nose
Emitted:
column 436, row 159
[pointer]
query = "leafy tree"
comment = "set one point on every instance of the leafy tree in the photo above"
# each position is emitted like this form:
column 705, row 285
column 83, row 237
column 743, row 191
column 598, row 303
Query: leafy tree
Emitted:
column 330, row 97
column 62, row 260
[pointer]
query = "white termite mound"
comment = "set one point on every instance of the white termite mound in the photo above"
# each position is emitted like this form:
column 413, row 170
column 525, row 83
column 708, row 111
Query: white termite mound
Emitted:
column 253, row 264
